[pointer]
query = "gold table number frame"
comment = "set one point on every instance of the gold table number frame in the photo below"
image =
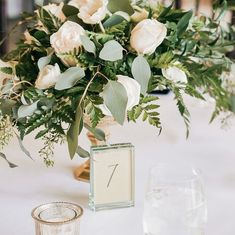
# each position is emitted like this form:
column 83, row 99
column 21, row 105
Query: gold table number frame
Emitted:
column 112, row 176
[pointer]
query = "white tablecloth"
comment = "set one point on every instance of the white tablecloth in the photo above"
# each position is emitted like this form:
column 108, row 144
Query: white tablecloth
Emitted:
column 208, row 147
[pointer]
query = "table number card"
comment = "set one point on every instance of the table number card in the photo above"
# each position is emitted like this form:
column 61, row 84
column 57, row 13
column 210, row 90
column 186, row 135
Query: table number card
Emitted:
column 112, row 176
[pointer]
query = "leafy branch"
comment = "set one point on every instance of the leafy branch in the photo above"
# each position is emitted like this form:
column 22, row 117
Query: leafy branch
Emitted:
column 47, row 152
column 147, row 110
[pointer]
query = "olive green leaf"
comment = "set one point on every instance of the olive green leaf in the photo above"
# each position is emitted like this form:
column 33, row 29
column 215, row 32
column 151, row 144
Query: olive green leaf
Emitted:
column 98, row 133
column 11, row 165
column 120, row 5
column 82, row 152
column 183, row 23
column 116, row 19
column 69, row 10
column 23, row 148
column 73, row 132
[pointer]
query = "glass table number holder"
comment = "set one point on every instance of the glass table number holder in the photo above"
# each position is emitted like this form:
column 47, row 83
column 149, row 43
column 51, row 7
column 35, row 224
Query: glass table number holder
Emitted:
column 111, row 176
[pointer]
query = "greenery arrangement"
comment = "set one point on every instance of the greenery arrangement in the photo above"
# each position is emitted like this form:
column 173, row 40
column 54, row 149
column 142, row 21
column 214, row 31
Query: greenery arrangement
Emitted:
column 100, row 57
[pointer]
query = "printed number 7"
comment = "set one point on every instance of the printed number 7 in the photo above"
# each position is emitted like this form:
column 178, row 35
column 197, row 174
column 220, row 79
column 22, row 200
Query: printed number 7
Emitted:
column 111, row 176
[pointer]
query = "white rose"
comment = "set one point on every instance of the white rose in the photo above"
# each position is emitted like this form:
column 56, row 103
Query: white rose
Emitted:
column 133, row 93
column 175, row 74
column 147, row 35
column 56, row 10
column 67, row 38
column 3, row 76
column 93, row 12
column 48, row 76
column 77, row 3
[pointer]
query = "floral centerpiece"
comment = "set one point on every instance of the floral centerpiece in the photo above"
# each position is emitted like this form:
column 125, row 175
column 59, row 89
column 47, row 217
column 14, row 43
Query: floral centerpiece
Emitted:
column 99, row 58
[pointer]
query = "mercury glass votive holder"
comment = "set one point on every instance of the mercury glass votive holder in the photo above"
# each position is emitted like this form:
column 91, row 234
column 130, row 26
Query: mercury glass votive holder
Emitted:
column 57, row 218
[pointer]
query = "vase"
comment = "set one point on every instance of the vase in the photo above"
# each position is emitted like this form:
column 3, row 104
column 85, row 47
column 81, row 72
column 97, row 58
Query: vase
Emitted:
column 82, row 173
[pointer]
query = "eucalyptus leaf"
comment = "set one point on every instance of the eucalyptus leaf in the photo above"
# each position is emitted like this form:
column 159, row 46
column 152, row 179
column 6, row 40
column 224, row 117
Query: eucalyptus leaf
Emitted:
column 11, row 165
column 88, row 44
column 98, row 133
column 27, row 110
column 7, row 87
column 82, row 152
column 120, row 5
column 23, row 100
column 73, row 132
column 112, row 51
column 113, row 20
column 141, row 72
column 115, row 98
column 23, row 148
column 43, row 61
column 69, row 78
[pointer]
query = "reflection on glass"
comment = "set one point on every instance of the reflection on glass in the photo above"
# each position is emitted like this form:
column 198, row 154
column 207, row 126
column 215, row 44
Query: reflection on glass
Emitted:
column 175, row 202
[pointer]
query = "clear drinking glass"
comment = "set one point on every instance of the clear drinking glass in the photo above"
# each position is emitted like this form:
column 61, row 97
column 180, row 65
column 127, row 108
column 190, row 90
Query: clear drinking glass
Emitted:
column 175, row 201
column 57, row 218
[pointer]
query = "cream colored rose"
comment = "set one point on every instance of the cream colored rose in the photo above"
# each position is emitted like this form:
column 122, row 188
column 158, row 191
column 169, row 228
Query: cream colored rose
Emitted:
column 133, row 93
column 56, row 10
column 175, row 74
column 67, row 38
column 48, row 76
column 147, row 35
column 93, row 12
column 77, row 3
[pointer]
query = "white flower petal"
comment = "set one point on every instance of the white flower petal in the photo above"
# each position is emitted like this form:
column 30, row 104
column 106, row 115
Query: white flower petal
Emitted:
column 93, row 12
column 133, row 93
column 67, row 38
column 48, row 76
column 147, row 36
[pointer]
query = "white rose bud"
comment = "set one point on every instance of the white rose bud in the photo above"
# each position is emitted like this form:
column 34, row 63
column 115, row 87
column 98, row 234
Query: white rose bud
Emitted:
column 93, row 12
column 133, row 93
column 147, row 35
column 77, row 3
column 56, row 10
column 48, row 77
column 175, row 74
column 67, row 38
column 3, row 76
column 153, row 3
column 139, row 15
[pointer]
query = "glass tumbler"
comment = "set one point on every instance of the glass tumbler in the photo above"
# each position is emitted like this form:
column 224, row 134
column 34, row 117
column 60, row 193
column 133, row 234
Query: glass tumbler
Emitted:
column 175, row 201
column 57, row 218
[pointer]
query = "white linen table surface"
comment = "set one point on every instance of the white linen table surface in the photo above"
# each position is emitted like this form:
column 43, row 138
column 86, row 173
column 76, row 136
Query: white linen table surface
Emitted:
column 208, row 147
